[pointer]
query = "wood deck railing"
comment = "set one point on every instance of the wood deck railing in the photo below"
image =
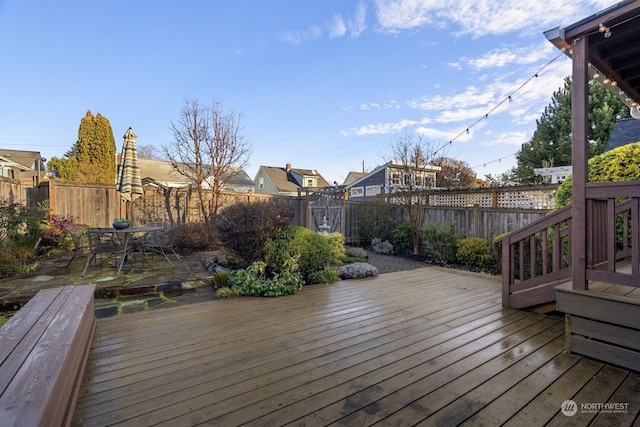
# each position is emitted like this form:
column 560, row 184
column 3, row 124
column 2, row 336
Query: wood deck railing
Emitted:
column 613, row 232
column 536, row 257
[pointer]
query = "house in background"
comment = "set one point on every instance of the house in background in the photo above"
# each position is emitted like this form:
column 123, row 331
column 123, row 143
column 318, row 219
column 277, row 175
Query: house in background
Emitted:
column 161, row 173
column 553, row 175
column 625, row 131
column 287, row 181
column 28, row 167
column 391, row 177
column 353, row 176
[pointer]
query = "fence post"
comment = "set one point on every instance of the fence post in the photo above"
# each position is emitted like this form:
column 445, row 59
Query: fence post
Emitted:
column 52, row 196
column 306, row 208
column 475, row 220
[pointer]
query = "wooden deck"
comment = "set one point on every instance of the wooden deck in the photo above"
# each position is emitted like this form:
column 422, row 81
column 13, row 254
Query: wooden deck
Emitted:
column 427, row 346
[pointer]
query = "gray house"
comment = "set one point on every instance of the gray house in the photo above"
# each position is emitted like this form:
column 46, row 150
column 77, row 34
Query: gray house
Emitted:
column 391, row 177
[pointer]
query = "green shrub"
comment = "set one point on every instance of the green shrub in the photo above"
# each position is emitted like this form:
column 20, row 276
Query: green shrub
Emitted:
column 402, row 238
column 439, row 242
column 336, row 243
column 356, row 252
column 474, row 252
column 244, row 228
column 310, row 250
column 619, row 164
column 226, row 292
column 326, row 275
column 353, row 254
column 221, row 279
column 253, row 281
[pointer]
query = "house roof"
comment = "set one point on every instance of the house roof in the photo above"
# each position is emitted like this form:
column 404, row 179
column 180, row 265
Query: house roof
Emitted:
column 284, row 181
column 24, row 158
column 353, row 176
column 162, row 172
column 393, row 164
column 8, row 163
column 613, row 48
column 624, row 132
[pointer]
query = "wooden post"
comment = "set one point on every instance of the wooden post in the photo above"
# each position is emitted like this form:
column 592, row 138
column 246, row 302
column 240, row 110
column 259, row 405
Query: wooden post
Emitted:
column 52, row 196
column 579, row 100
column 306, row 208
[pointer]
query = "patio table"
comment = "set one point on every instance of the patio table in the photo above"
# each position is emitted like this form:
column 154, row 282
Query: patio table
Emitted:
column 113, row 241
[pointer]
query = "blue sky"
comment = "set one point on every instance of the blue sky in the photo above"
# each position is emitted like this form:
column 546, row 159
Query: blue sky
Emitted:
column 323, row 85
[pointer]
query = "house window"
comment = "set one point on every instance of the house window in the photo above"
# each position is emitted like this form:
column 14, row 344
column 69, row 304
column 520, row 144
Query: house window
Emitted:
column 357, row 192
column 310, row 183
column 395, row 178
column 261, row 182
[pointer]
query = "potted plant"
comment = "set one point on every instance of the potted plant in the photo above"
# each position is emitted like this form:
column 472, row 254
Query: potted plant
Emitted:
column 121, row 223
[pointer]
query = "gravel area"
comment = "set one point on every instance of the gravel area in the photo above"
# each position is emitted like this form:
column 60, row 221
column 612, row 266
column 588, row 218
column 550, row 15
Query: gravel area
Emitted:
column 390, row 263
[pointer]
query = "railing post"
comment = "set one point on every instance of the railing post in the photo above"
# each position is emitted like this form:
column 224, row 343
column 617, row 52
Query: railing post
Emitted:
column 506, row 270
column 579, row 160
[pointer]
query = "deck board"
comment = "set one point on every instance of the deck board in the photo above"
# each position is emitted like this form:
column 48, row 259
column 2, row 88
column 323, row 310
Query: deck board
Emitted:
column 428, row 345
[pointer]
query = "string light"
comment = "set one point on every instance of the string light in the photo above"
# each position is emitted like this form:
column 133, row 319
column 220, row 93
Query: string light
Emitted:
column 508, row 98
column 484, row 165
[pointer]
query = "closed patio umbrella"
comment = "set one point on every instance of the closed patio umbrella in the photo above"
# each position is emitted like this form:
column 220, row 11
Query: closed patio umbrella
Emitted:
column 129, row 183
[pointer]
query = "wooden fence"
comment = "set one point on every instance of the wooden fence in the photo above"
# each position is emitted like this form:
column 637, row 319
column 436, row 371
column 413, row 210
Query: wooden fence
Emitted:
column 478, row 212
column 12, row 190
column 94, row 204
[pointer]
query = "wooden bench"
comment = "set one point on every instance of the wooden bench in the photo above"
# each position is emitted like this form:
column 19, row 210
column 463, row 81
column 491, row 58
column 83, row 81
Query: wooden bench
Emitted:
column 43, row 353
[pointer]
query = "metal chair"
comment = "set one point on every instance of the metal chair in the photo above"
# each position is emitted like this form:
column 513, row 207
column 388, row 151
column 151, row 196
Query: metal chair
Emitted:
column 78, row 235
column 110, row 244
column 161, row 242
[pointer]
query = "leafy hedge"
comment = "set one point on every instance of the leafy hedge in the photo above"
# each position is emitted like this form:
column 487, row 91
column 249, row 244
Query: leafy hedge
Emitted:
column 310, row 250
column 619, row 164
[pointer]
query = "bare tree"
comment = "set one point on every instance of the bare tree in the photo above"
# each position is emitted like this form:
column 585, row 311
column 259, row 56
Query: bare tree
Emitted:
column 411, row 175
column 148, row 152
column 208, row 148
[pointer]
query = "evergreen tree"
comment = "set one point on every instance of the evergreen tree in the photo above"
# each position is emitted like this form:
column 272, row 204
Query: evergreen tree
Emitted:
column 92, row 159
column 551, row 142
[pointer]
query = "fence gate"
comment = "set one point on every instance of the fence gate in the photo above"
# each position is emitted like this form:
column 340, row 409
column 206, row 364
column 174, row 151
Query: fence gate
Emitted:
column 326, row 212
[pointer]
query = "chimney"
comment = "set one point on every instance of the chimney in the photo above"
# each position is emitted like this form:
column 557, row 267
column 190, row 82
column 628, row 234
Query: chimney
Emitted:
column 288, row 167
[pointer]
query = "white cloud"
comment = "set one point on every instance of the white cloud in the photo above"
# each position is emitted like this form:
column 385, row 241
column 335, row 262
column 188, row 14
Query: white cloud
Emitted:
column 510, row 139
column 482, row 17
column 442, row 135
column 497, row 58
column 314, row 32
column 337, row 27
column 354, row 26
column 383, row 128
column 392, row 104
column 358, row 24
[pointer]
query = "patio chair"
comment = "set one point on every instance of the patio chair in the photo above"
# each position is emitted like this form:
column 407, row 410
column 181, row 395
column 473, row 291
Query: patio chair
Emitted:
column 162, row 242
column 78, row 235
column 106, row 244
